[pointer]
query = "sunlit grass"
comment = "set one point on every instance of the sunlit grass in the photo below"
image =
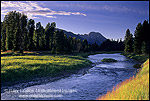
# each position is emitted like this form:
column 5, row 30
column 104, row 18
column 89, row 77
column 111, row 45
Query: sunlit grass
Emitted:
column 135, row 88
column 15, row 68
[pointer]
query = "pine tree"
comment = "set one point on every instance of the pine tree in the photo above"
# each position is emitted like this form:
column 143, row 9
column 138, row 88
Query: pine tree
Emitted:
column 53, row 44
column 79, row 45
column 143, row 49
column 85, row 45
column 128, row 42
column 37, row 35
column 59, row 41
column 66, row 47
column 52, row 32
column 23, row 31
column 47, row 36
column 145, row 35
column 42, row 39
column 74, row 44
column 3, row 36
column 10, row 26
column 138, row 39
column 95, row 47
column 30, row 26
column 16, row 39
column 70, row 44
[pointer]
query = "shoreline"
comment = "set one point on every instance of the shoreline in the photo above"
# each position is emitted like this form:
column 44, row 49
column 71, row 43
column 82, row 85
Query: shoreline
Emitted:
column 43, row 80
column 139, row 58
column 20, row 84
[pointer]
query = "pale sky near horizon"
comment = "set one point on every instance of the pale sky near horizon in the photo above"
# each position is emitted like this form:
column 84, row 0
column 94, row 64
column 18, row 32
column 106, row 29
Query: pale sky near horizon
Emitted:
column 110, row 18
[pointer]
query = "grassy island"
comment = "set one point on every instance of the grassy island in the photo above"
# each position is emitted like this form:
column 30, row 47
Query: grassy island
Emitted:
column 108, row 60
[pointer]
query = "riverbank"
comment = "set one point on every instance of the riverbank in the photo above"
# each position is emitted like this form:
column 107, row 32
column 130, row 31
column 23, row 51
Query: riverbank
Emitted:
column 138, row 57
column 20, row 69
column 41, row 80
column 135, row 88
column 86, row 54
column 27, row 69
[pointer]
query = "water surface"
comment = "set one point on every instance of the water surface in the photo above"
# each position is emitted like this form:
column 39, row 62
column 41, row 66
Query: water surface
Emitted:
column 94, row 82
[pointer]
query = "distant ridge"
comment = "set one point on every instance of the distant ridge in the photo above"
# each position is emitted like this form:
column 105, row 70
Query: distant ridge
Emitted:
column 92, row 37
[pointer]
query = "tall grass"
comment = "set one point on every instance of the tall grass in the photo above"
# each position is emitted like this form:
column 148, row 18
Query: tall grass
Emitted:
column 14, row 68
column 139, row 57
column 135, row 88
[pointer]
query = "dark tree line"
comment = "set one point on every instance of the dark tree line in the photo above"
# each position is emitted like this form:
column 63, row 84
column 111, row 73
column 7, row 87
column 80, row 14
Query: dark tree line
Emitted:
column 20, row 34
column 112, row 45
column 139, row 44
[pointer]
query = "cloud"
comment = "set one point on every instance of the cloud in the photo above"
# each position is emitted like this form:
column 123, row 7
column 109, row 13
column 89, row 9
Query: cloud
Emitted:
column 113, row 7
column 48, row 13
column 33, row 9
column 121, row 9
column 51, row 16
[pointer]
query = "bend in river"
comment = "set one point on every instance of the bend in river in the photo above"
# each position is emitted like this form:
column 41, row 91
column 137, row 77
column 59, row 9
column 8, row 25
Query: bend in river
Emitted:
column 94, row 82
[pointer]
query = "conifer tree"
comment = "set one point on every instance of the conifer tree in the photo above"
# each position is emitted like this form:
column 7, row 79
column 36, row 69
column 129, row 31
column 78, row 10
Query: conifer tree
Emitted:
column 138, row 39
column 143, row 48
column 145, row 35
column 52, row 32
column 23, row 32
column 47, row 36
column 37, row 35
column 85, row 45
column 128, row 42
column 42, row 39
column 59, row 41
column 3, row 36
column 30, row 26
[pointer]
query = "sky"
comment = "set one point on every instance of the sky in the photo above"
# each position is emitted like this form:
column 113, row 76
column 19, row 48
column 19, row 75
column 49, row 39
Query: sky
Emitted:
column 110, row 18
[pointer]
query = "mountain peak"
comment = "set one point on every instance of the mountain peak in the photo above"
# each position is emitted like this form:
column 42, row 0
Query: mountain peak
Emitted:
column 95, row 33
column 92, row 37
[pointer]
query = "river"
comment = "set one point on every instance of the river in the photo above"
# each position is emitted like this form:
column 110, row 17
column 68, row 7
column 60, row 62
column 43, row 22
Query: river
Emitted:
column 94, row 82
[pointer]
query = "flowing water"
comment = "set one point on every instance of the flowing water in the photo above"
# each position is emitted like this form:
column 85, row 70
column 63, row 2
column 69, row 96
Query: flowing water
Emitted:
column 94, row 82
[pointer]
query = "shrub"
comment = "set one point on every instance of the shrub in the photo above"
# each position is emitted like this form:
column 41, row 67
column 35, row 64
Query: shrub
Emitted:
column 137, row 66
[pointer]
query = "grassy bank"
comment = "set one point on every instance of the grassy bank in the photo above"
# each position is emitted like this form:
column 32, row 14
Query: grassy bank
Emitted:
column 16, row 68
column 135, row 88
column 140, row 58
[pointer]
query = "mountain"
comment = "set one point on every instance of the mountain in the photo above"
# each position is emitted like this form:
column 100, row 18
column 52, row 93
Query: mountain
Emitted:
column 73, row 35
column 92, row 37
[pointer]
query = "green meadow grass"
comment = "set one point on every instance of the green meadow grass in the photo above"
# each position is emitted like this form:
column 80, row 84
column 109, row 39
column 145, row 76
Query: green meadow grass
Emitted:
column 15, row 68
